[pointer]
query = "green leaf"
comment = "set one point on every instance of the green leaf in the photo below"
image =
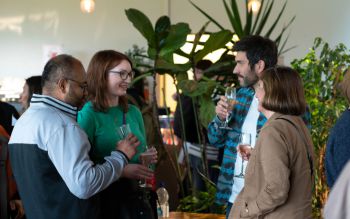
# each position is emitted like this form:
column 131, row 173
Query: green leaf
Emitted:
column 276, row 21
column 175, row 39
column 142, row 24
column 234, row 17
column 163, row 66
column 264, row 18
column 258, row 16
column 249, row 20
column 216, row 40
column 206, row 110
column 197, row 38
column 162, row 29
column 207, row 15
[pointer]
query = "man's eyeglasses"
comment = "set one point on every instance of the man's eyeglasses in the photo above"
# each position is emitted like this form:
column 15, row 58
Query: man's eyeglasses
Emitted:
column 124, row 74
column 82, row 85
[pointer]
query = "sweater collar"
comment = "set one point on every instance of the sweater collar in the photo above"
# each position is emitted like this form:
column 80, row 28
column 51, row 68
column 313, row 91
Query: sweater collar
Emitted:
column 67, row 109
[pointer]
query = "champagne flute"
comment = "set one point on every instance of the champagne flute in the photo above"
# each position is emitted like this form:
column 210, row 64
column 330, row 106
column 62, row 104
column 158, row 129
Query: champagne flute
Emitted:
column 230, row 95
column 245, row 148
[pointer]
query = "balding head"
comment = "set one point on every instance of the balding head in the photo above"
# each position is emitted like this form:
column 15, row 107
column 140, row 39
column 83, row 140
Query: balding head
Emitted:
column 64, row 78
column 58, row 67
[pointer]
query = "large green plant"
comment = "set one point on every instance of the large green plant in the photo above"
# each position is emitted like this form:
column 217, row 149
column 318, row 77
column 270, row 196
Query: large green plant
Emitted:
column 253, row 25
column 322, row 69
column 165, row 39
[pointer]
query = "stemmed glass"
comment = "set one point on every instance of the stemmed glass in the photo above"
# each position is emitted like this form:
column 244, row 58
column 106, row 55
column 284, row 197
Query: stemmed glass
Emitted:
column 244, row 147
column 230, row 95
column 146, row 160
column 123, row 131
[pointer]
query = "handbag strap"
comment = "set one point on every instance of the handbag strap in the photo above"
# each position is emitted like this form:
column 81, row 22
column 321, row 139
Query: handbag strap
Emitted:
column 3, row 178
column 306, row 145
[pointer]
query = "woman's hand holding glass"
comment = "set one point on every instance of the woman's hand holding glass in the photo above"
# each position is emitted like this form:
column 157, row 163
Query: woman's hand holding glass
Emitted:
column 244, row 149
column 148, row 158
column 128, row 145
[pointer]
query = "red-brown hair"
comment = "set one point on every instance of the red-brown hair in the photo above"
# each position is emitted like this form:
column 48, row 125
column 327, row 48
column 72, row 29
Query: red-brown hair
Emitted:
column 102, row 62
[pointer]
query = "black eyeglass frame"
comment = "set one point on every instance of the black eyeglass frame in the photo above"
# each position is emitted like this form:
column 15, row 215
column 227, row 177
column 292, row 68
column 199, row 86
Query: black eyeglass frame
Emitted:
column 82, row 85
column 124, row 74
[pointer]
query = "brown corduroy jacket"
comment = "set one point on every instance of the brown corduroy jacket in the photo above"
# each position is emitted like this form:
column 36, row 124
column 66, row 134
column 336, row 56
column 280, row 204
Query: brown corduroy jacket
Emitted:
column 278, row 181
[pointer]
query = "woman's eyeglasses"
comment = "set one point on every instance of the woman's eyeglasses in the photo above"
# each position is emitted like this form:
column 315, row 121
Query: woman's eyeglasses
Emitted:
column 124, row 74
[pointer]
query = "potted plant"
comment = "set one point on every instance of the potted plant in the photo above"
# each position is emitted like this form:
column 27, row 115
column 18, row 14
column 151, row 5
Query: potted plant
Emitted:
column 322, row 69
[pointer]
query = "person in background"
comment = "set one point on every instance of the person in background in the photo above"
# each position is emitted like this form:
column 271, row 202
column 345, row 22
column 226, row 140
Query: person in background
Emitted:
column 279, row 176
column 338, row 144
column 49, row 151
column 108, row 76
column 8, row 116
column 11, row 198
column 194, row 146
column 31, row 86
column 337, row 205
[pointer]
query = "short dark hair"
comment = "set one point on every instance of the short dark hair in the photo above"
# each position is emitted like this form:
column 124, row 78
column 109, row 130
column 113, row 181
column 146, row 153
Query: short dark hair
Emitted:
column 258, row 48
column 102, row 62
column 284, row 91
column 57, row 67
column 203, row 64
column 34, row 86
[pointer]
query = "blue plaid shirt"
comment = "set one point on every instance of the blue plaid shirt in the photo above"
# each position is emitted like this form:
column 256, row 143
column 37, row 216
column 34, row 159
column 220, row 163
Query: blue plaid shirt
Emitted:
column 230, row 138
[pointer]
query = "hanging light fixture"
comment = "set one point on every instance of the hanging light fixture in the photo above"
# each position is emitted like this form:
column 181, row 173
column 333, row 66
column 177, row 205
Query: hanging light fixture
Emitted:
column 254, row 5
column 87, row 6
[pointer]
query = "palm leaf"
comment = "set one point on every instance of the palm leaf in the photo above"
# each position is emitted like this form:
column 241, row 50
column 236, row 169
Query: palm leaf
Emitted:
column 276, row 21
column 258, row 16
column 236, row 14
column 234, row 18
column 279, row 37
column 207, row 15
column 197, row 38
column 249, row 19
column 264, row 18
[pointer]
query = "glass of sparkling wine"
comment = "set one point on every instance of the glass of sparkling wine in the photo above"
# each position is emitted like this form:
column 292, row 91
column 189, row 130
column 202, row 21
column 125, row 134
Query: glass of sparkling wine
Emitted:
column 146, row 160
column 230, row 95
column 244, row 147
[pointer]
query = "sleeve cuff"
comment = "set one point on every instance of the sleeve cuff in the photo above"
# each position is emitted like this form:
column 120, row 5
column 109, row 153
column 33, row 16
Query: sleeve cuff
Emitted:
column 217, row 120
column 126, row 159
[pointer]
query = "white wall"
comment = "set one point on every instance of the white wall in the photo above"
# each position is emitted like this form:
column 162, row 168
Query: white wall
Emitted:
column 25, row 26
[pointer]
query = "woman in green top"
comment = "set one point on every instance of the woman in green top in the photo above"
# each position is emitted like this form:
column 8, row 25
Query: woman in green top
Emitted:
column 108, row 76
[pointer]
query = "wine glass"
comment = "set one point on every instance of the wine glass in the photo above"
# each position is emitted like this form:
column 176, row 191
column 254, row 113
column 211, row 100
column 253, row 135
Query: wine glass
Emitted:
column 123, row 131
column 146, row 160
column 244, row 147
column 230, row 95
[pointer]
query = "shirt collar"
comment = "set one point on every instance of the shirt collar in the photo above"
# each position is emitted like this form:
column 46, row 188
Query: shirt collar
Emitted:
column 55, row 103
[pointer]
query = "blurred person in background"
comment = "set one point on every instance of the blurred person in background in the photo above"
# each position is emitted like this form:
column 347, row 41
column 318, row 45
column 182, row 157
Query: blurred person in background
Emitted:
column 338, row 144
column 31, row 86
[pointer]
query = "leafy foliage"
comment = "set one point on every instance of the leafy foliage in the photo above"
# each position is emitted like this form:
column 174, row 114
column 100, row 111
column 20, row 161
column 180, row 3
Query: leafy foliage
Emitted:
column 201, row 202
column 254, row 25
column 322, row 69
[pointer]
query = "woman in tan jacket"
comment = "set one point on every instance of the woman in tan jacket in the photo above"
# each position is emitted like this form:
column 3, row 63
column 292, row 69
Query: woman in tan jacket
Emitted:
column 279, row 175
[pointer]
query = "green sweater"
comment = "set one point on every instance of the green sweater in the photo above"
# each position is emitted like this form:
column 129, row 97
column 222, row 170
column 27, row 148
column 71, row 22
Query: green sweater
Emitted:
column 101, row 129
